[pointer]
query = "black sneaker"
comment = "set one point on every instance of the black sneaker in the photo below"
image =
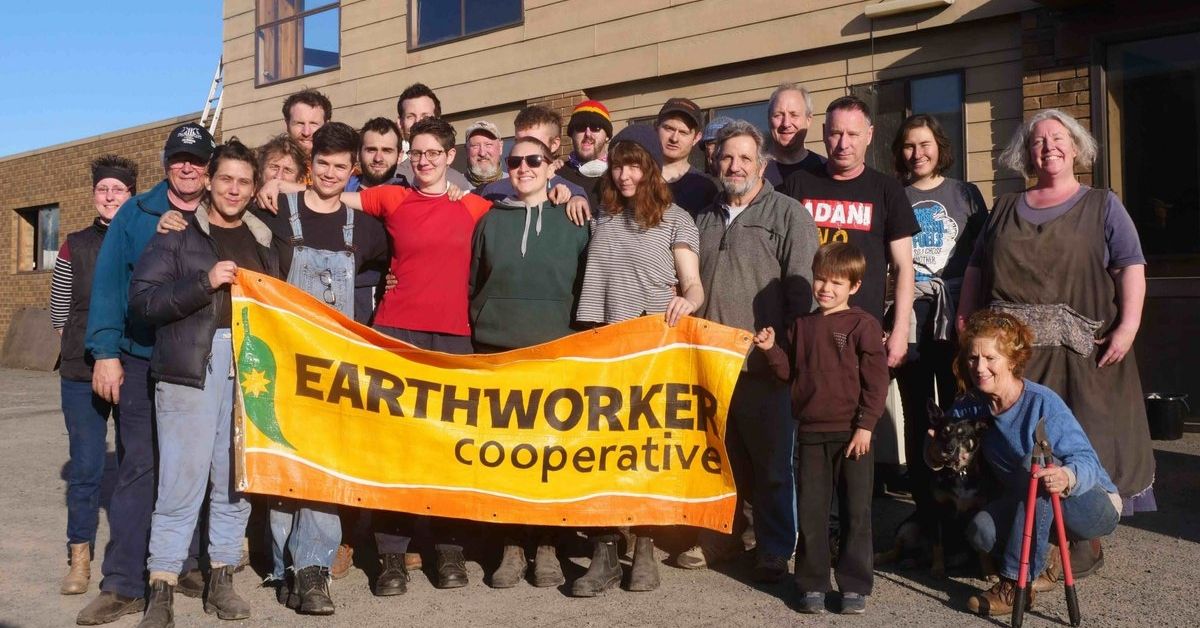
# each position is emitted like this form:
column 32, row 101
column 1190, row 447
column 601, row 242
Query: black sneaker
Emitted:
column 771, row 569
column 854, row 604
column 812, row 602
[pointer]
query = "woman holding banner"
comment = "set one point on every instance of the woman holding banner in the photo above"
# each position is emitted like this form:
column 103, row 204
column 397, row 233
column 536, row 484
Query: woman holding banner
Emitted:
column 643, row 258
column 527, row 259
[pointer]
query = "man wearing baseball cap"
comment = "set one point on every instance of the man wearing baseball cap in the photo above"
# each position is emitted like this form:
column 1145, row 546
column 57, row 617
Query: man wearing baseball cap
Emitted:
column 484, row 148
column 680, row 123
column 590, row 128
column 708, row 143
column 121, row 347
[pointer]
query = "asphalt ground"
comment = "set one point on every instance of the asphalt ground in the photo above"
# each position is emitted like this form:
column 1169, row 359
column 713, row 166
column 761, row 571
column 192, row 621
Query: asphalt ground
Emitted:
column 1150, row 578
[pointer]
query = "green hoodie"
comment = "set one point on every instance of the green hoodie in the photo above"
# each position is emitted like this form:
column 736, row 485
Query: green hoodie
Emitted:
column 526, row 268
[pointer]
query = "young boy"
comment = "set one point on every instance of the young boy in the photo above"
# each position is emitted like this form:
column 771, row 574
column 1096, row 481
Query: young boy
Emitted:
column 838, row 369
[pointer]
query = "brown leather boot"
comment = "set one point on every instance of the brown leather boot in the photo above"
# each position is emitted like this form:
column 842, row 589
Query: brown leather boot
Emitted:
column 221, row 598
column 108, row 607
column 343, row 560
column 80, row 574
column 547, row 571
column 512, row 568
column 644, row 575
column 1048, row 580
column 999, row 599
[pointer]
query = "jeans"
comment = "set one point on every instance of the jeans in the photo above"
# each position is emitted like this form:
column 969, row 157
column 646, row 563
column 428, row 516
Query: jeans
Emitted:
column 759, row 438
column 133, row 497
column 308, row 531
column 86, row 416
column 822, row 469
column 1087, row 516
column 195, row 428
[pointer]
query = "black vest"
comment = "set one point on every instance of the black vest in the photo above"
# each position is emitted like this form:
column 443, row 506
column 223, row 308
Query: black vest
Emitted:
column 84, row 247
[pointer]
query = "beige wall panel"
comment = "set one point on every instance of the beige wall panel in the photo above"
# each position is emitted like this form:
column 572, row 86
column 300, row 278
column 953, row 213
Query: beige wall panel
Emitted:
column 990, row 134
column 371, row 62
column 986, row 78
column 984, row 166
column 355, row 14
column 358, row 115
column 972, row 39
column 753, row 41
column 375, row 35
column 257, row 134
column 501, row 116
column 572, row 14
column 1000, row 104
column 238, row 25
column 883, row 73
column 236, row 7
column 238, row 48
column 560, row 49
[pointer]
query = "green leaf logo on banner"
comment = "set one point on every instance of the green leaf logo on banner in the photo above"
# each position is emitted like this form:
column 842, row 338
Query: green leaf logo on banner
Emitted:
column 256, row 371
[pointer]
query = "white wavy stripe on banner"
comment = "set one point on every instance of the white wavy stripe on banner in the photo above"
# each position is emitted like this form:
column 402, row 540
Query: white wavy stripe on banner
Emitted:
column 363, row 343
column 354, row 480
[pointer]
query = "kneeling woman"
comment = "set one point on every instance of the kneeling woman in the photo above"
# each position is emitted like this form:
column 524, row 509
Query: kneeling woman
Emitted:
column 181, row 285
column 642, row 259
column 993, row 351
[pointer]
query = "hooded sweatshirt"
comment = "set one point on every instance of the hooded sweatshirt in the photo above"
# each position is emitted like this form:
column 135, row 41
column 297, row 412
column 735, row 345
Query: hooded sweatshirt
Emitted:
column 526, row 269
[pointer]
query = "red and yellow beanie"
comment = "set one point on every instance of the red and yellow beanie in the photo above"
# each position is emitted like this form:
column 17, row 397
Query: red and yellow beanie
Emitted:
column 590, row 113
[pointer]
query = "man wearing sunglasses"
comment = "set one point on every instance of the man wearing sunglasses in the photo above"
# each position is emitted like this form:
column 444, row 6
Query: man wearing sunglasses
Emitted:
column 590, row 129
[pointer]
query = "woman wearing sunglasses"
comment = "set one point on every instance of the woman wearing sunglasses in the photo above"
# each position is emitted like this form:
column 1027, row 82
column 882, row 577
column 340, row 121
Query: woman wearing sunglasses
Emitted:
column 527, row 258
column 642, row 259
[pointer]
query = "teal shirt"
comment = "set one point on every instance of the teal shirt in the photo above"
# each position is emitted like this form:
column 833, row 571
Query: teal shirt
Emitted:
column 526, row 269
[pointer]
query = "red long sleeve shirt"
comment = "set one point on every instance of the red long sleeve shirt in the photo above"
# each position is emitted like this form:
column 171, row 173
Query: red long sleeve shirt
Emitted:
column 838, row 370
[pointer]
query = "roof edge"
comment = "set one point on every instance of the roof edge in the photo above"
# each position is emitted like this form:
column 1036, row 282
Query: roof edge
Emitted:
column 190, row 117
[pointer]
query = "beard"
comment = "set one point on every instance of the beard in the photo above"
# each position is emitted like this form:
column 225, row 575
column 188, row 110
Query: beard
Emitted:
column 484, row 171
column 368, row 179
column 733, row 187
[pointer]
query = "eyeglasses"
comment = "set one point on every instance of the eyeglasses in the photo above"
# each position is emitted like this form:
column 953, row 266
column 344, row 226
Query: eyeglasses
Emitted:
column 326, row 277
column 533, row 161
column 588, row 127
column 104, row 190
column 430, row 155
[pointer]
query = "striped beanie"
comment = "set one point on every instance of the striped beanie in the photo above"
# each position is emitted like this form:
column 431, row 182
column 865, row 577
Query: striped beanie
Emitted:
column 590, row 113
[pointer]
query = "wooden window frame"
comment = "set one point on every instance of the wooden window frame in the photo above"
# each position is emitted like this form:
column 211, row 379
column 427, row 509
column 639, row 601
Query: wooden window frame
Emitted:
column 336, row 5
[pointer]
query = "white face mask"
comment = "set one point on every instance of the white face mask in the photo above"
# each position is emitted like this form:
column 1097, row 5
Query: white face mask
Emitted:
column 593, row 168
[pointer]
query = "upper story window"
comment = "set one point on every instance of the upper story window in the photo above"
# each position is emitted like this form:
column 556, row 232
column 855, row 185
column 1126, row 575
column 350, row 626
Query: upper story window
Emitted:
column 939, row 95
column 438, row 21
column 37, row 238
column 295, row 38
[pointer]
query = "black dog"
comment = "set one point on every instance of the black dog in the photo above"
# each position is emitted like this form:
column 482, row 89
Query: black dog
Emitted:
column 961, row 485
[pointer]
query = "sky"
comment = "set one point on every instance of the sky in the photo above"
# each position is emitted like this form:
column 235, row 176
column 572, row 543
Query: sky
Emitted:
column 71, row 69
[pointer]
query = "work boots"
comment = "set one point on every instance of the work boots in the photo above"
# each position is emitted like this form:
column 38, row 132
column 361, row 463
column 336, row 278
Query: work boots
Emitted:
column 602, row 574
column 644, row 575
column 999, row 599
column 393, row 577
column 451, row 568
column 222, row 599
column 108, row 607
column 512, row 568
column 80, row 574
column 160, row 610
column 547, row 571
column 312, row 584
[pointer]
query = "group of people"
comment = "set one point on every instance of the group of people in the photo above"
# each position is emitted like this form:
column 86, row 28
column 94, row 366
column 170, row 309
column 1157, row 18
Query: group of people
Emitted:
column 1034, row 306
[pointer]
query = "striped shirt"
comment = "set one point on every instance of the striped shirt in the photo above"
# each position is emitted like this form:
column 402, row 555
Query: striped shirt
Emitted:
column 60, row 288
column 631, row 270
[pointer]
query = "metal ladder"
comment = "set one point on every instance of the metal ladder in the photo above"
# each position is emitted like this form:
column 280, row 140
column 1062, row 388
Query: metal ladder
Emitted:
column 216, row 95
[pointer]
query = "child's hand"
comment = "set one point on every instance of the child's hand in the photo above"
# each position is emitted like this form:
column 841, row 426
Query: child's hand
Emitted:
column 765, row 339
column 860, row 444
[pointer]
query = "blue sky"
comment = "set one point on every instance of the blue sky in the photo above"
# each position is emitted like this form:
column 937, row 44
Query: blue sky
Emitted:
column 73, row 68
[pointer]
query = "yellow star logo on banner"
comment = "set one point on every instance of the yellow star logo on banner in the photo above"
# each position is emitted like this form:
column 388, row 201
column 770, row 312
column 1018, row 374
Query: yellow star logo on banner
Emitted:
column 255, row 383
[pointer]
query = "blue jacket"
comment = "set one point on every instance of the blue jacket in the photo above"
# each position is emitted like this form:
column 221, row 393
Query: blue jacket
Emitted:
column 110, row 329
column 1008, row 444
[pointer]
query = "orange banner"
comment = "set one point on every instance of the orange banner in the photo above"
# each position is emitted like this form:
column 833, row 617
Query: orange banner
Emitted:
column 621, row 425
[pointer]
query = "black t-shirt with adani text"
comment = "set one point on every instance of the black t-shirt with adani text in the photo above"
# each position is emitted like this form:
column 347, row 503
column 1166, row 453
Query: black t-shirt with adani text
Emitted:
column 869, row 211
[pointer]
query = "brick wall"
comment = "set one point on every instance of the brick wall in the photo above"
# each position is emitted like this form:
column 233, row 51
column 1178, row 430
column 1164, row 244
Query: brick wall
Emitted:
column 60, row 175
column 564, row 104
column 1056, row 63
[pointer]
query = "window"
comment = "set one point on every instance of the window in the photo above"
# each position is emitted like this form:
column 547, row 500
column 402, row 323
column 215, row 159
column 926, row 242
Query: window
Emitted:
column 295, row 38
column 37, row 238
column 438, row 21
column 755, row 113
column 1153, row 94
column 940, row 96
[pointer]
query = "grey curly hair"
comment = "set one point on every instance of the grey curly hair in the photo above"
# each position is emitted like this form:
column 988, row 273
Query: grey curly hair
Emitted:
column 1016, row 155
